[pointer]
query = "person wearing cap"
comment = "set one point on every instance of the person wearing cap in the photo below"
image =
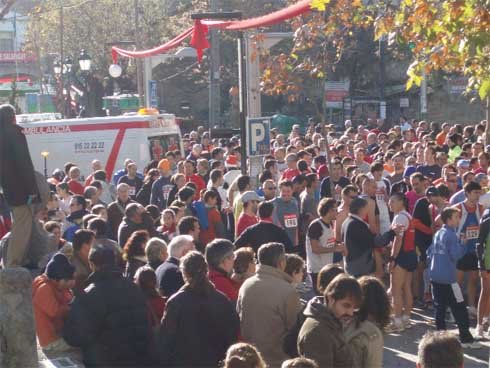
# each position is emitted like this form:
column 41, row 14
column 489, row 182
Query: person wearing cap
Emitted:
column 459, row 196
column 248, row 217
column 51, row 297
column 109, row 321
column 162, row 187
column 292, row 170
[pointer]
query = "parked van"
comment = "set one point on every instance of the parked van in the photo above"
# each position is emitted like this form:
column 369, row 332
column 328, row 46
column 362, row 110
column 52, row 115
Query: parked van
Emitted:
column 111, row 140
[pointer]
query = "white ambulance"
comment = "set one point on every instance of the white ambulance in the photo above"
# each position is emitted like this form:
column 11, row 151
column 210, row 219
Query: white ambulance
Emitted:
column 111, row 140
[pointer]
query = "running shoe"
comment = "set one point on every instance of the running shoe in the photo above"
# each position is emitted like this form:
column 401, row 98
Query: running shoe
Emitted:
column 480, row 331
column 471, row 345
column 394, row 328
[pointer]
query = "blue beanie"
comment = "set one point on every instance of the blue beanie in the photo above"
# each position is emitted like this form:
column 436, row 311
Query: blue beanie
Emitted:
column 59, row 268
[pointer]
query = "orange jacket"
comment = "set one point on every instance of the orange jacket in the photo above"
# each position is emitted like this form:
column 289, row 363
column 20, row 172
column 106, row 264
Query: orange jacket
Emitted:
column 50, row 309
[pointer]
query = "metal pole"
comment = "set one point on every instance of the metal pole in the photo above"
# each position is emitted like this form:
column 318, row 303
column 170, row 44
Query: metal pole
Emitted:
column 46, row 167
column 139, row 66
column 214, row 74
column 242, row 100
column 423, row 95
column 62, row 82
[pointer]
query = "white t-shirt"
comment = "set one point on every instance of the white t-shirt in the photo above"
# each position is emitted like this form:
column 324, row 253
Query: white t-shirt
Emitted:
column 402, row 218
column 325, row 234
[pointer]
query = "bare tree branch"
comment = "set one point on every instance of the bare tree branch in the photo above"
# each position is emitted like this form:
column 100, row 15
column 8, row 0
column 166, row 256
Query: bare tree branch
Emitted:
column 7, row 4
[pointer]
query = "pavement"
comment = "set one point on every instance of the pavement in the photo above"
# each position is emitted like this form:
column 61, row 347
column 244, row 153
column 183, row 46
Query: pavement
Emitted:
column 400, row 350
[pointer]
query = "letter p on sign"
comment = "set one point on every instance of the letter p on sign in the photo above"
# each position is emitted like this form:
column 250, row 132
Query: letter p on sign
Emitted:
column 258, row 136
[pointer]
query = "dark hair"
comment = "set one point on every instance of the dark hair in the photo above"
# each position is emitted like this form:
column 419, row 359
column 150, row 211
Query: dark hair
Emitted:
column 98, row 226
column 375, row 302
column 294, row 264
column 195, row 269
column 63, row 186
column 270, row 254
column 82, row 237
column 135, row 244
column 186, row 224
column 326, row 275
column 150, row 174
column 376, row 166
column 357, row 204
column 153, row 211
column 97, row 209
column 300, row 362
column 51, row 225
column 215, row 175
column 7, row 114
column 100, row 175
column 242, row 182
column 469, row 187
column 348, row 189
column 86, row 219
column 96, row 184
column 67, row 166
column 310, row 179
column 302, row 165
column 325, row 205
column 146, row 278
column 269, row 163
column 243, row 257
column 344, row 286
column 209, row 194
column 299, row 179
column 402, row 198
column 265, row 209
column 101, row 256
column 265, row 175
column 89, row 192
column 217, row 250
column 447, row 213
column 286, row 183
column 243, row 355
column 131, row 209
column 444, row 191
column 440, row 349
column 80, row 201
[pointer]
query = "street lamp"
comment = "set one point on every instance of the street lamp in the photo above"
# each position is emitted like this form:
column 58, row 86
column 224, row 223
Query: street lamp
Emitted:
column 85, row 61
column 115, row 70
column 45, row 155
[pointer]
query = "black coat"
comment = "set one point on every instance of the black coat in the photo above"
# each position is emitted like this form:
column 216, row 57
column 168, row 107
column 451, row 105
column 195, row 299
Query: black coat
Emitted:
column 196, row 330
column 16, row 169
column 169, row 277
column 109, row 322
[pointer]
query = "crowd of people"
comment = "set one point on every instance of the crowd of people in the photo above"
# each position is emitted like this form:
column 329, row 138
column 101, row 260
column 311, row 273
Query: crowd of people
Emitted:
column 188, row 262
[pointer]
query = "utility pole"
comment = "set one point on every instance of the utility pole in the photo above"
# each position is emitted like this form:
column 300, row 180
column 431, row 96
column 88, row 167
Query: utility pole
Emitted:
column 62, row 61
column 214, row 74
column 139, row 64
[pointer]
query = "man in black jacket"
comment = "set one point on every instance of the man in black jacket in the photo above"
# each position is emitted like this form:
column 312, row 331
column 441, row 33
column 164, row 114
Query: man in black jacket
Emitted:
column 360, row 241
column 109, row 321
column 19, row 184
column 264, row 232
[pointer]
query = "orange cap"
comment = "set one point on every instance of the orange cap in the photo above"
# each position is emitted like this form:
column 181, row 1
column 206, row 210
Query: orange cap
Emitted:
column 164, row 165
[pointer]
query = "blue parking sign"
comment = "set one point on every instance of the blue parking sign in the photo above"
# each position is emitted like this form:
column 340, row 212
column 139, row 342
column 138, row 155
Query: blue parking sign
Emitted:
column 258, row 136
column 152, row 88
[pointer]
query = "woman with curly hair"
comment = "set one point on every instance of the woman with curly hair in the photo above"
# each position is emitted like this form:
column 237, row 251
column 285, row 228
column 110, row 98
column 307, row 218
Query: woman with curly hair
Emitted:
column 364, row 334
column 134, row 252
column 243, row 355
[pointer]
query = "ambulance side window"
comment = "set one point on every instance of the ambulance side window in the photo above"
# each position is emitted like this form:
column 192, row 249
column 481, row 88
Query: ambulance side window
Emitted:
column 162, row 144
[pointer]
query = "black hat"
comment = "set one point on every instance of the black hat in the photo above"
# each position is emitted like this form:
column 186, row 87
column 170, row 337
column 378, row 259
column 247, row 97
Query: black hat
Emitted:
column 432, row 191
column 59, row 268
column 185, row 193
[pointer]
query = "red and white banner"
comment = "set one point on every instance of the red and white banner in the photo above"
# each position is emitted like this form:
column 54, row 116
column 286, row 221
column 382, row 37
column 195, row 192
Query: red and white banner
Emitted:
column 200, row 29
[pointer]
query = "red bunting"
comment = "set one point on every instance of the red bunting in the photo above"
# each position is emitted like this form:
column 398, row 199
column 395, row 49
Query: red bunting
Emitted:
column 200, row 30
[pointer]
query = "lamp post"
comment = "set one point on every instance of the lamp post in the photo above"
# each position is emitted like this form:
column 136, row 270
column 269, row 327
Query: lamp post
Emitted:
column 45, row 155
column 85, row 63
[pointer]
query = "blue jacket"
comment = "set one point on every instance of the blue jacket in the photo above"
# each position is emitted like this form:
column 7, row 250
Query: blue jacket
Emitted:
column 443, row 254
column 121, row 172
column 160, row 190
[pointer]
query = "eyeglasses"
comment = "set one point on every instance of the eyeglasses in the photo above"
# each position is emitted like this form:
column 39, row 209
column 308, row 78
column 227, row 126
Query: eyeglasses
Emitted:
column 271, row 188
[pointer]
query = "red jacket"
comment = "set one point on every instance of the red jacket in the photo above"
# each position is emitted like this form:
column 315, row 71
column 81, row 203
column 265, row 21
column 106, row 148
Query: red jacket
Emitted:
column 200, row 184
column 224, row 283
column 75, row 187
column 51, row 306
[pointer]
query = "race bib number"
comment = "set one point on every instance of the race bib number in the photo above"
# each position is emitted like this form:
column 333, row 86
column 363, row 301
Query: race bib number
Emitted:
column 132, row 191
column 330, row 243
column 290, row 221
column 472, row 232
column 166, row 191
column 380, row 195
